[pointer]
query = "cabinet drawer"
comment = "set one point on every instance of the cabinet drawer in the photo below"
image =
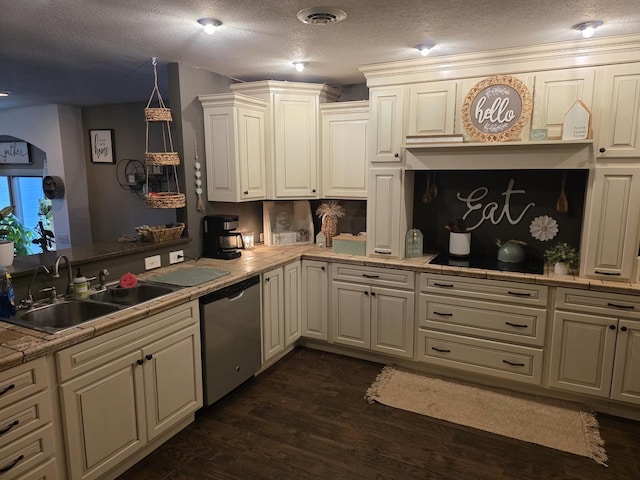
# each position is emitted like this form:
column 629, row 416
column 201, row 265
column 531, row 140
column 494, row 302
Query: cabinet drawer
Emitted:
column 387, row 277
column 24, row 454
column 507, row 323
column 513, row 362
column 45, row 471
column 24, row 416
column 502, row 291
column 89, row 355
column 22, row 380
column 610, row 304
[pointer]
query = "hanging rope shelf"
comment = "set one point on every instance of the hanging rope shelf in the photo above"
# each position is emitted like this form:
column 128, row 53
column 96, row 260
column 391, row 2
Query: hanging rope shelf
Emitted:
column 160, row 116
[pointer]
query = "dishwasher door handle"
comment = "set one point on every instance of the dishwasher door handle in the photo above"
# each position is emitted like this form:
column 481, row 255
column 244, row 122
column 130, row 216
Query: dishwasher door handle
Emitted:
column 236, row 297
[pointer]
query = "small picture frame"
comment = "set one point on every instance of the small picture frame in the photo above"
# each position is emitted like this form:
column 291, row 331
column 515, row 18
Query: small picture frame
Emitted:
column 538, row 134
column 102, row 146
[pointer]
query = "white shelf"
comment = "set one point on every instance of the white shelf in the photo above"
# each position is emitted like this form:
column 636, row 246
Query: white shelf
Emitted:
column 542, row 143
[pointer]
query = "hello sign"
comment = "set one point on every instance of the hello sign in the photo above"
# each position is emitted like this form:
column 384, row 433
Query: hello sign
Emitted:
column 496, row 109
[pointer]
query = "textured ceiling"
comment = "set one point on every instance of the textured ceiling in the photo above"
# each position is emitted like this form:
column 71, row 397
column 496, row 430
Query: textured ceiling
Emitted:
column 91, row 52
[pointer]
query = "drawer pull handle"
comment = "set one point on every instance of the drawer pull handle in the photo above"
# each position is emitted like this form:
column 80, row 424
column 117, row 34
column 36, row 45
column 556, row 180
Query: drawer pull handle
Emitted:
column 441, row 350
column 517, row 325
column 383, row 252
column 13, row 464
column 366, row 275
column 443, row 285
column 7, row 388
column 608, row 273
column 9, row 427
column 626, row 307
column 513, row 364
column 443, row 314
column 518, row 294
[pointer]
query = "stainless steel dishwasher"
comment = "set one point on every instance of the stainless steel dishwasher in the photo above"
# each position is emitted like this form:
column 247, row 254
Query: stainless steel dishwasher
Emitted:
column 230, row 323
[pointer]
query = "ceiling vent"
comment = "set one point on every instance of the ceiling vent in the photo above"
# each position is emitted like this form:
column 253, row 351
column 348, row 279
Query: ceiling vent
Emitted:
column 321, row 15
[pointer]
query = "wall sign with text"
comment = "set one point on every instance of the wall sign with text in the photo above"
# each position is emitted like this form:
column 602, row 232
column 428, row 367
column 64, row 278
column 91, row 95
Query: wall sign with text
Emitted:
column 14, row 152
column 496, row 109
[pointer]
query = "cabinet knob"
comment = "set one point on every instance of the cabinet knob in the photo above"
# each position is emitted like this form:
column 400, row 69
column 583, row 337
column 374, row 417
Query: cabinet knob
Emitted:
column 396, row 155
column 149, row 357
column 373, row 294
column 612, row 327
column 140, row 362
column 322, row 268
column 624, row 329
column 366, row 293
column 602, row 149
column 246, row 192
column 313, row 191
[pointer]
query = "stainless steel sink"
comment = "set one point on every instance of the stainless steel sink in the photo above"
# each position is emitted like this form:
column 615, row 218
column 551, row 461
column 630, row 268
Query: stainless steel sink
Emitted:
column 143, row 292
column 55, row 317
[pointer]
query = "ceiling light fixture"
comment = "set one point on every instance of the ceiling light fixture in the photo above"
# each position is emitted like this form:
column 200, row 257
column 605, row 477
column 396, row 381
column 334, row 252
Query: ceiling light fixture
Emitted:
column 299, row 66
column 210, row 25
column 4, row 93
column 425, row 48
column 587, row 29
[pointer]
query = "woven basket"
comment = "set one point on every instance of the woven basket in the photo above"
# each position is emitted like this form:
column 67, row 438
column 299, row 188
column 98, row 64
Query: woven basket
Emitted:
column 157, row 114
column 162, row 158
column 161, row 233
column 165, row 200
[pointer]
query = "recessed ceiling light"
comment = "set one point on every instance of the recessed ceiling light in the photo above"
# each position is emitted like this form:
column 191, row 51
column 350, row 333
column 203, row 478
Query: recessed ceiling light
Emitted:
column 4, row 93
column 299, row 66
column 587, row 29
column 425, row 48
column 210, row 25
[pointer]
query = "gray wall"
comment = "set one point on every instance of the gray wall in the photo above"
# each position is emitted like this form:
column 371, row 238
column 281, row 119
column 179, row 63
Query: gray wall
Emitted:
column 115, row 211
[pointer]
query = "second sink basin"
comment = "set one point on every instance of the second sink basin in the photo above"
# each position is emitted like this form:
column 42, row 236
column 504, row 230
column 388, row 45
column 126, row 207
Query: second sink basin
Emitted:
column 60, row 316
column 132, row 296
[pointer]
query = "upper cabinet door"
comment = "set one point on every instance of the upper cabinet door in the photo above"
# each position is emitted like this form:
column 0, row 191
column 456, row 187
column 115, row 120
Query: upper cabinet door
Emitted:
column 251, row 154
column 610, row 234
column 383, row 212
column 620, row 127
column 345, row 166
column 555, row 92
column 387, row 117
column 296, row 145
column 432, row 108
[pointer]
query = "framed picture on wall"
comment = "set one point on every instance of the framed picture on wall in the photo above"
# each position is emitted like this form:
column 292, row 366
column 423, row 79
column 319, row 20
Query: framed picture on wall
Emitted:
column 102, row 147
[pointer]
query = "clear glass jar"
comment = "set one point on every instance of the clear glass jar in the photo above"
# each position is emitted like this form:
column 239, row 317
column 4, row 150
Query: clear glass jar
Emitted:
column 413, row 243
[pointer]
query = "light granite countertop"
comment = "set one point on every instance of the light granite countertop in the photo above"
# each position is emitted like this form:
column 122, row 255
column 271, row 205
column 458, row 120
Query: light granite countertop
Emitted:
column 19, row 344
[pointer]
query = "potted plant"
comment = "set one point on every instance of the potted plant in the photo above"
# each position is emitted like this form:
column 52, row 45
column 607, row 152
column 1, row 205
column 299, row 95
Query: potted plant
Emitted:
column 6, row 244
column 15, row 238
column 562, row 256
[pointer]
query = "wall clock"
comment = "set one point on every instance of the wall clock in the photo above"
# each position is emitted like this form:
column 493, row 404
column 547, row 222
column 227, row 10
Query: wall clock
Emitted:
column 53, row 187
column 496, row 109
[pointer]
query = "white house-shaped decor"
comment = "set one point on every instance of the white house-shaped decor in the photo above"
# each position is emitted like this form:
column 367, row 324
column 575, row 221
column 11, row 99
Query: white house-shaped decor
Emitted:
column 577, row 122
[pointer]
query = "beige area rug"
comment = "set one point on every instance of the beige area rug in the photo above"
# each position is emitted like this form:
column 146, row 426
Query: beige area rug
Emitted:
column 558, row 424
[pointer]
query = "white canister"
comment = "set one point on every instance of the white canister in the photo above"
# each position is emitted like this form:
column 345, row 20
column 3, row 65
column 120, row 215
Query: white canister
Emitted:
column 459, row 244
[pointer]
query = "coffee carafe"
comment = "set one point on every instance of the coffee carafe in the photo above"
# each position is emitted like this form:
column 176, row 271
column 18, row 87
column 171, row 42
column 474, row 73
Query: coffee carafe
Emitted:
column 220, row 240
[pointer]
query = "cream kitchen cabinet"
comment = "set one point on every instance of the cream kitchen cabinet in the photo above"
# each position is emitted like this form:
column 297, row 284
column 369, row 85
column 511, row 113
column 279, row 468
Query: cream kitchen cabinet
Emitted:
column 484, row 326
column 595, row 346
column 27, row 445
column 345, row 135
column 234, row 129
column 281, row 310
column 610, row 235
column 292, row 134
column 555, row 92
column 386, row 124
column 366, row 312
column 384, row 220
column 125, row 389
column 620, row 103
column 315, row 299
column 432, row 108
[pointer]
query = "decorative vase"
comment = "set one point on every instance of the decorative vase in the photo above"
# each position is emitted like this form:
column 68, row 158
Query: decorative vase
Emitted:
column 561, row 268
column 459, row 244
column 6, row 253
column 329, row 228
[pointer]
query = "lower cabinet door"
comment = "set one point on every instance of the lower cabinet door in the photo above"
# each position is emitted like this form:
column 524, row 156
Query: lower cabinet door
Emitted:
column 172, row 378
column 103, row 416
column 350, row 314
column 582, row 352
column 626, row 370
column 392, row 319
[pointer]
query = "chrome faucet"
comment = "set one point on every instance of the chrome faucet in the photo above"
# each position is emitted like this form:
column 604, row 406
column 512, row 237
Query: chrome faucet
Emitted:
column 102, row 278
column 28, row 302
column 56, row 272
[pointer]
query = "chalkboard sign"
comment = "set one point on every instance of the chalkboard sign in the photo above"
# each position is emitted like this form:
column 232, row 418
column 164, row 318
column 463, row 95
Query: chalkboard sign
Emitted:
column 496, row 109
column 14, row 152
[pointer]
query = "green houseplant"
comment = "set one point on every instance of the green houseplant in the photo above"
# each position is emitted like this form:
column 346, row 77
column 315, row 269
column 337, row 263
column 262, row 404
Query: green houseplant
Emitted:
column 14, row 236
column 562, row 256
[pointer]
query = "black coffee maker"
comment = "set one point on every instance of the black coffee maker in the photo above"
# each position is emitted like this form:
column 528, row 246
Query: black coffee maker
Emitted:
column 219, row 238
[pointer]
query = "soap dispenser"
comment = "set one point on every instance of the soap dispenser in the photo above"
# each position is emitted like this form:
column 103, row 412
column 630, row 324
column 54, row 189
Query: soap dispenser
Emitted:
column 80, row 286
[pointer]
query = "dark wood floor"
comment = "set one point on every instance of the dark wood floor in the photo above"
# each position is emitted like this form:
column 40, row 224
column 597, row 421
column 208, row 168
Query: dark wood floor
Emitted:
column 306, row 418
